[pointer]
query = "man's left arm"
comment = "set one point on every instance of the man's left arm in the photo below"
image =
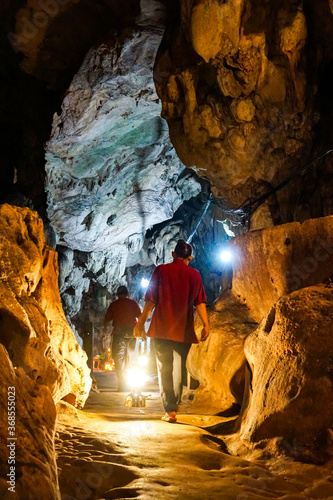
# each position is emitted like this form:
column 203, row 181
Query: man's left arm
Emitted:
column 202, row 311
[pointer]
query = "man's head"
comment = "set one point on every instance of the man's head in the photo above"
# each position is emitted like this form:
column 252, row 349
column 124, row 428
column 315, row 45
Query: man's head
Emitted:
column 183, row 251
column 122, row 291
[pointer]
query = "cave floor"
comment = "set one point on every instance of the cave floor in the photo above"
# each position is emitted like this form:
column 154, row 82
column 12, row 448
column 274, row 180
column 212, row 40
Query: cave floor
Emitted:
column 116, row 452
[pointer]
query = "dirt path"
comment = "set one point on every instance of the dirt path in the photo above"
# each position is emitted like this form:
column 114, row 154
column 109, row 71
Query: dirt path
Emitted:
column 117, row 452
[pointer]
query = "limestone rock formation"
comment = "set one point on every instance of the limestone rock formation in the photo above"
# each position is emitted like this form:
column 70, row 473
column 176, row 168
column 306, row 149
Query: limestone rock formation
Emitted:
column 237, row 92
column 276, row 261
column 33, row 326
column 218, row 364
column 289, row 396
column 29, row 460
column 111, row 170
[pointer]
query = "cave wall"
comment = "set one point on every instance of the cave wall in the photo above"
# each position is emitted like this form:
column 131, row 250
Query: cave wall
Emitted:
column 33, row 474
column 242, row 86
column 33, row 326
column 289, row 390
column 111, row 170
column 279, row 260
column 272, row 333
column 41, row 361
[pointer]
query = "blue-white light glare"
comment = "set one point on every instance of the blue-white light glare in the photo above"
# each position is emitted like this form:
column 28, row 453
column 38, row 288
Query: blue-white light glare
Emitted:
column 226, row 256
column 144, row 283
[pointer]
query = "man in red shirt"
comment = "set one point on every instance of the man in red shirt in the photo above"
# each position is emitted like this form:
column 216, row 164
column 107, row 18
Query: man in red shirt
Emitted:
column 173, row 291
column 123, row 313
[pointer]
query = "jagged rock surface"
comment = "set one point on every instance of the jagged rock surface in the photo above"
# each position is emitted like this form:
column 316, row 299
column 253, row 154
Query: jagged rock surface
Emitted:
column 289, row 396
column 33, row 326
column 111, row 170
column 34, row 465
column 239, row 98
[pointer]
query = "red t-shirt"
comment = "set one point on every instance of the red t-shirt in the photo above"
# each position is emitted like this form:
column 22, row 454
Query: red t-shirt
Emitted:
column 123, row 312
column 174, row 288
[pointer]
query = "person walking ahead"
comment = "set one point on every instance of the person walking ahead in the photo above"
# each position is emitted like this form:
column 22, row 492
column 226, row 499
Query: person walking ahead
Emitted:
column 123, row 313
column 173, row 292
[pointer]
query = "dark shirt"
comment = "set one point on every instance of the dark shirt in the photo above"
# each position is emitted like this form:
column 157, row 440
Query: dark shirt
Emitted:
column 123, row 313
column 174, row 288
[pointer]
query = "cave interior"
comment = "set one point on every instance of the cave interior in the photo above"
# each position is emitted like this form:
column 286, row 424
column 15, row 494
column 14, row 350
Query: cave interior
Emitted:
column 127, row 126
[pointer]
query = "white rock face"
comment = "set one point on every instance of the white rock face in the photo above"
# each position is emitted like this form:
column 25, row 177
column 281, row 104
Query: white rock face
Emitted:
column 111, row 170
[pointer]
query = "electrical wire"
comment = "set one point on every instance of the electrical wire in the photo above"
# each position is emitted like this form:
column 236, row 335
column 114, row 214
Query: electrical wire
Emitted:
column 244, row 212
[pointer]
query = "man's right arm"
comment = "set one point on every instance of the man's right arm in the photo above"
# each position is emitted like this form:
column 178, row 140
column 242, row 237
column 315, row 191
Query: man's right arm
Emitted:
column 139, row 329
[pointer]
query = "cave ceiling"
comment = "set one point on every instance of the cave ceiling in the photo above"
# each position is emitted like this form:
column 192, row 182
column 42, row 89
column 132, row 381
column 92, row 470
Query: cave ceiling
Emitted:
column 242, row 85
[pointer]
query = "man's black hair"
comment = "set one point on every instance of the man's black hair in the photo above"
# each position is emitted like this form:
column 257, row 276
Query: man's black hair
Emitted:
column 183, row 249
column 122, row 290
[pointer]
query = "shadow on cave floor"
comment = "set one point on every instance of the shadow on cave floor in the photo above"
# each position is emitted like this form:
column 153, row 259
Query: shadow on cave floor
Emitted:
column 111, row 451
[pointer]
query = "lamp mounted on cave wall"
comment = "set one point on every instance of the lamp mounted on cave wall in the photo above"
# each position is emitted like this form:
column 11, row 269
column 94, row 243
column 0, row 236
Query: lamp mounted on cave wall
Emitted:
column 144, row 283
column 226, row 256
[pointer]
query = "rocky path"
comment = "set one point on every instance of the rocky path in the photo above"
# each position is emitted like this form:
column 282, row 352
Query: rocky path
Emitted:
column 120, row 453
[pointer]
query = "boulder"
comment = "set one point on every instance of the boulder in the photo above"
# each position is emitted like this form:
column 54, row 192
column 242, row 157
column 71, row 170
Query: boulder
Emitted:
column 33, row 327
column 289, row 394
column 27, row 457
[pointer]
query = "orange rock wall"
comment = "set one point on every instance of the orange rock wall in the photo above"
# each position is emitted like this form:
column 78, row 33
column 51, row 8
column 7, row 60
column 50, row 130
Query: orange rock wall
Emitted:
column 289, row 395
column 276, row 261
column 33, row 327
column 35, row 469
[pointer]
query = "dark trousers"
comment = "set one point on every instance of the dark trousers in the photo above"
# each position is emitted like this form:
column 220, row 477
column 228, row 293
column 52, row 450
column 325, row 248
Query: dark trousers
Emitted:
column 122, row 352
column 171, row 364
